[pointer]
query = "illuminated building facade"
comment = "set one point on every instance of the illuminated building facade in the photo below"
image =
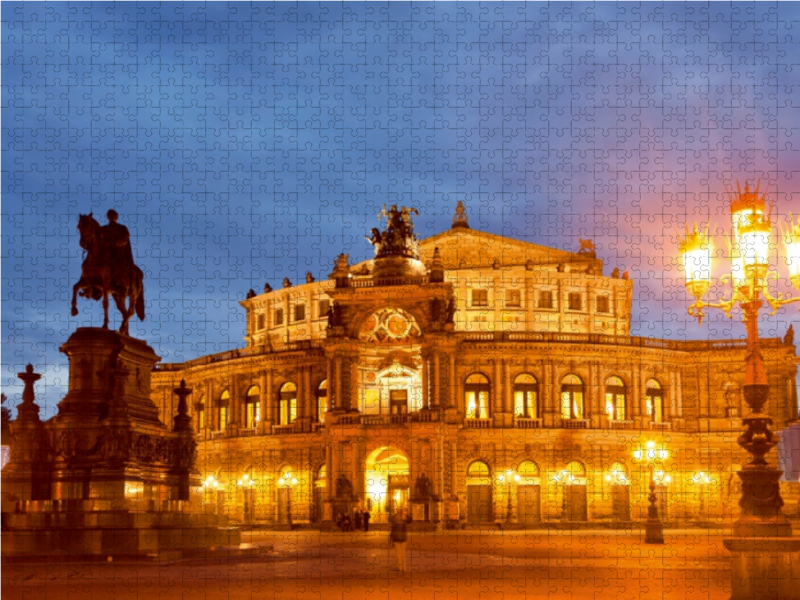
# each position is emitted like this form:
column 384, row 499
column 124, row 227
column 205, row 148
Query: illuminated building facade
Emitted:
column 473, row 379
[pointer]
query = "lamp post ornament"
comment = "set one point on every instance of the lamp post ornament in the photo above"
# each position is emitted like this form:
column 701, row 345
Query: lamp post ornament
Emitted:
column 761, row 500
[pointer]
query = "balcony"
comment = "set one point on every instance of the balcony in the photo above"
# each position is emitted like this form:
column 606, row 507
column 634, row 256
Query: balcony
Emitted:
column 575, row 423
column 218, row 434
column 524, row 423
column 478, row 423
column 620, row 424
column 663, row 426
column 317, row 427
column 283, row 429
column 247, row 431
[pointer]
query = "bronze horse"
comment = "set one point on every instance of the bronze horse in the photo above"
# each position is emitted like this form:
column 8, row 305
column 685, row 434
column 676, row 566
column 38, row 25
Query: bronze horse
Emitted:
column 100, row 276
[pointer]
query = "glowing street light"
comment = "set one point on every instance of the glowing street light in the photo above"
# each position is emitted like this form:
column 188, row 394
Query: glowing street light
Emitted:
column 653, row 527
column 751, row 241
column 508, row 477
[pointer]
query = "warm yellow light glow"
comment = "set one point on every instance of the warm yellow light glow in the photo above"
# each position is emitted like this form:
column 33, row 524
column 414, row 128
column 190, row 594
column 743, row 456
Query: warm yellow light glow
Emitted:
column 791, row 240
column 754, row 242
column 501, row 478
column 516, row 478
column 663, row 454
column 650, row 445
column 696, row 250
column 637, row 454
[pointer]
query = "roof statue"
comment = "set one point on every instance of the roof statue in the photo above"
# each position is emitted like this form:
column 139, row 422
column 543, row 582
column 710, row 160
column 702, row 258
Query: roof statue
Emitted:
column 108, row 269
column 460, row 217
column 588, row 248
column 398, row 239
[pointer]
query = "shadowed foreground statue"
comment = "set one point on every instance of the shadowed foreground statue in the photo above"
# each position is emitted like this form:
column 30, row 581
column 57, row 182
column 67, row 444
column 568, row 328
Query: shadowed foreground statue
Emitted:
column 108, row 269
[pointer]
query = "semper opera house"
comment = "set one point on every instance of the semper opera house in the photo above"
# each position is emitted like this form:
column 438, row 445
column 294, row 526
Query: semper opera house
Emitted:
column 474, row 380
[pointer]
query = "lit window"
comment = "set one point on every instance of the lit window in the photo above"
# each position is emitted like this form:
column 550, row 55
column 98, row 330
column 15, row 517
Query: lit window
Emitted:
column 480, row 298
column 572, row 397
column 526, row 396
column 253, row 407
column 616, row 399
column 476, row 397
column 654, row 401
column 279, row 316
column 575, row 301
column 546, row 299
column 322, row 400
column 287, row 409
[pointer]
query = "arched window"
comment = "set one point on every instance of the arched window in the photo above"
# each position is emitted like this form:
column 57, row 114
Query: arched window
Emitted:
column 287, row 409
column 528, row 470
column 654, row 401
column 322, row 400
column 476, row 396
column 571, row 397
column 262, row 322
column 224, row 407
column 252, row 407
column 616, row 400
column 200, row 409
column 575, row 473
column 617, row 475
column 526, row 396
column 478, row 469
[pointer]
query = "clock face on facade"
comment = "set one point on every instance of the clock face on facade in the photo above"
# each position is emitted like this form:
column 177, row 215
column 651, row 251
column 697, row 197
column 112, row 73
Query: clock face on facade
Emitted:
column 390, row 325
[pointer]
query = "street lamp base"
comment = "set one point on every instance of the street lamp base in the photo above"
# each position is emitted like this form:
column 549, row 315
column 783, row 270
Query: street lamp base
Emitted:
column 764, row 568
column 653, row 532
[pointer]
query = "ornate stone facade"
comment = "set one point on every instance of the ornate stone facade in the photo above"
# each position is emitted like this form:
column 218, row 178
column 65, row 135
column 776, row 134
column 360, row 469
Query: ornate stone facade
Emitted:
column 505, row 380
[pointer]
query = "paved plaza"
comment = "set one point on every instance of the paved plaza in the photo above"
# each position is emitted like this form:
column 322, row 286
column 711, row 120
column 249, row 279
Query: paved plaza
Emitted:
column 464, row 565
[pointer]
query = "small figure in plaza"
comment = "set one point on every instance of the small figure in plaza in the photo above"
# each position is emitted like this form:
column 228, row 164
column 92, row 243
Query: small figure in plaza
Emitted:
column 109, row 270
column 789, row 337
column 357, row 517
column 398, row 536
column 366, row 518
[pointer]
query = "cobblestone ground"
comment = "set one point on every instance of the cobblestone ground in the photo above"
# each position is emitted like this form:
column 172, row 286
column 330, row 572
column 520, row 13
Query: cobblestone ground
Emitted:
column 332, row 566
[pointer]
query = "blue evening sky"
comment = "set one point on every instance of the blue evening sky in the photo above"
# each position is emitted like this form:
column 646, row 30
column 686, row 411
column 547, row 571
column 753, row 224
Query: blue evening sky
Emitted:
column 244, row 143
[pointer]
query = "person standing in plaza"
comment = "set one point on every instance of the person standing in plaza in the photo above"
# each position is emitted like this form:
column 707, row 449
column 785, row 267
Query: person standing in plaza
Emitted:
column 399, row 538
column 365, row 520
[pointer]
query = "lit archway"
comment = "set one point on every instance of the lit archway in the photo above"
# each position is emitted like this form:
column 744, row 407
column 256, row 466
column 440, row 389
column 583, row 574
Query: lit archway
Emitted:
column 386, row 482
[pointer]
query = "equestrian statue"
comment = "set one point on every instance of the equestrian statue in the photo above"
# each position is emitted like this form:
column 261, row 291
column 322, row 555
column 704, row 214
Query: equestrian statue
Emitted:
column 108, row 269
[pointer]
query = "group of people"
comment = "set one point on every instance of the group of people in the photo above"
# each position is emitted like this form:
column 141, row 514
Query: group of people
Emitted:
column 359, row 521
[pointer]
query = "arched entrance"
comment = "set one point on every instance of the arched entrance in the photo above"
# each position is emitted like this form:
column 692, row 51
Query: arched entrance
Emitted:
column 573, row 479
column 529, row 493
column 386, row 482
column 479, row 493
column 620, row 492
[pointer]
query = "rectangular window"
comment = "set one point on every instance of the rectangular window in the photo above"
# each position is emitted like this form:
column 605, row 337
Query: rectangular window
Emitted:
column 603, row 305
column 261, row 322
column 300, row 312
column 513, row 298
column 223, row 417
column 279, row 316
column 546, row 299
column 322, row 407
column 201, row 419
column 525, row 404
column 323, row 308
column 480, row 298
column 288, row 410
column 477, row 405
column 574, row 301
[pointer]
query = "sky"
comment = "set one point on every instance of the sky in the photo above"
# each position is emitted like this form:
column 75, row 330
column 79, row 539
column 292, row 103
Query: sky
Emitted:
column 244, row 143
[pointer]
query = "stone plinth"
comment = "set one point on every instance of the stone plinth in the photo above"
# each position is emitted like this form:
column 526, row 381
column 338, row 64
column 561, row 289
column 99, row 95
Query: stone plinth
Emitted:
column 764, row 568
column 118, row 481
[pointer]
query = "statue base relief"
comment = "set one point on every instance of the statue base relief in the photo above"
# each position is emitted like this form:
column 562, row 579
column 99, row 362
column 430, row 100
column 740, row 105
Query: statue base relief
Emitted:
column 118, row 481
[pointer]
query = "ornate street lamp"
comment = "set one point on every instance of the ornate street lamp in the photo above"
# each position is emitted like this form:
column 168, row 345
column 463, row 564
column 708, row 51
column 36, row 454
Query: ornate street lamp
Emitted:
column 288, row 481
column 761, row 500
column 653, row 527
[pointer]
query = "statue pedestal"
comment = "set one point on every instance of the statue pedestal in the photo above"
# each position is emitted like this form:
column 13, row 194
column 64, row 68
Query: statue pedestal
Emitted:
column 120, row 483
column 764, row 568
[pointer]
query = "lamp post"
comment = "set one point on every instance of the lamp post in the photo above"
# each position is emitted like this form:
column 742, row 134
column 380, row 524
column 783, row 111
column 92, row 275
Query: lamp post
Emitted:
column 761, row 500
column 288, row 481
column 508, row 476
column 653, row 527
column 701, row 479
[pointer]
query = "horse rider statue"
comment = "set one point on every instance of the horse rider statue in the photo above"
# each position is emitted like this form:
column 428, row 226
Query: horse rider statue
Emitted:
column 108, row 269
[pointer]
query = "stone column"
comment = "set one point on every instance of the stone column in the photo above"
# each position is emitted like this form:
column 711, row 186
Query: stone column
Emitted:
column 679, row 394
column 209, row 409
column 591, row 306
column 264, row 394
column 453, row 391
column 637, row 401
column 508, row 401
column 498, row 390
column 424, row 376
column 437, row 379
column 329, row 381
column 669, row 409
column 301, row 392
column 308, row 401
column 269, row 400
column 340, row 405
column 355, row 385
